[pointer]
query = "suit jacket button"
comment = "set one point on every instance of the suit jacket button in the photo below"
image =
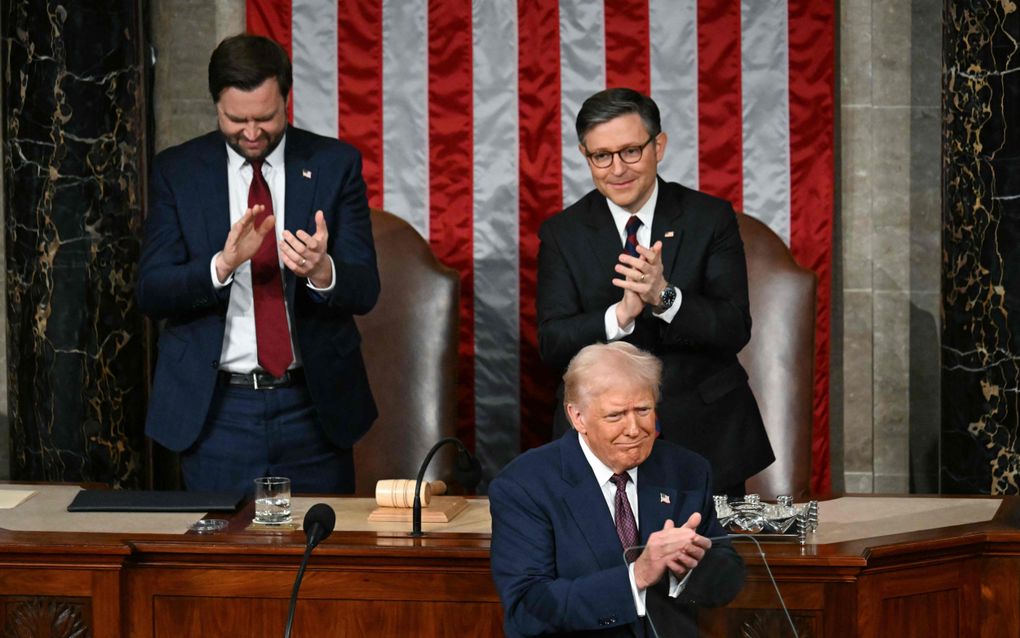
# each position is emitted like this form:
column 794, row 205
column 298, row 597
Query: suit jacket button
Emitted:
column 215, row 365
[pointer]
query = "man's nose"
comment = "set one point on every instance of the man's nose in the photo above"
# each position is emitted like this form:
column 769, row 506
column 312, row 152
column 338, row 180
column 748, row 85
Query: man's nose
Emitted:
column 618, row 167
column 630, row 425
column 251, row 131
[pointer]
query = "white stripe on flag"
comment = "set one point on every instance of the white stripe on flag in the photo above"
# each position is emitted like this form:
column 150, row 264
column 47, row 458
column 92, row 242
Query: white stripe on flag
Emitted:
column 405, row 111
column 495, row 238
column 313, row 43
column 766, row 112
column 582, row 72
column 673, row 26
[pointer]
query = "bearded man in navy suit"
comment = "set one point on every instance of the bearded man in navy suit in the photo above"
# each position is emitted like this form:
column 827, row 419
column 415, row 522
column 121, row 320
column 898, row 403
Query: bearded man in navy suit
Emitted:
column 661, row 266
column 565, row 514
column 257, row 255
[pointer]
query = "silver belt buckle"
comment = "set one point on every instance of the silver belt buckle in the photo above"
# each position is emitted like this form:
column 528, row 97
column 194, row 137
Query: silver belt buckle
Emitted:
column 255, row 380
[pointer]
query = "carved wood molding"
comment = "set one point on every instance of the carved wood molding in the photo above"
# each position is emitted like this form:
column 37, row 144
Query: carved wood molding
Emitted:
column 45, row 617
column 770, row 623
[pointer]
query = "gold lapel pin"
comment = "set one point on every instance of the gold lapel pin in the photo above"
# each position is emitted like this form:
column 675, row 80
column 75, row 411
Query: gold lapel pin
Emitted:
column 668, row 234
column 307, row 174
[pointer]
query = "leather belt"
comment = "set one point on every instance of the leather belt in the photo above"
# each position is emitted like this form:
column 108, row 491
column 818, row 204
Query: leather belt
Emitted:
column 258, row 380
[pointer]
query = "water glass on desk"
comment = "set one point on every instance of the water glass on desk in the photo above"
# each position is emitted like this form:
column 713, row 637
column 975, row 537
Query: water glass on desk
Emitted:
column 272, row 500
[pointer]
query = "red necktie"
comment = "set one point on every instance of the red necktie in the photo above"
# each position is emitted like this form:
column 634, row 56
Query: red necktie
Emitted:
column 272, row 336
column 626, row 526
column 630, row 246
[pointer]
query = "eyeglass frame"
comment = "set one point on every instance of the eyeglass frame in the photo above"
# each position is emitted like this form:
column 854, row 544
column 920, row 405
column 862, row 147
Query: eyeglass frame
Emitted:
column 641, row 152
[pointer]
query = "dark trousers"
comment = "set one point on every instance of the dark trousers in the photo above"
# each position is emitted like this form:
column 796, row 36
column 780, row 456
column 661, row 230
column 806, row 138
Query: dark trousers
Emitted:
column 251, row 433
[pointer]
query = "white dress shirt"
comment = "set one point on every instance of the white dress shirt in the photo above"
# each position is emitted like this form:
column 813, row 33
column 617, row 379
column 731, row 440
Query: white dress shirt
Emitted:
column 240, row 353
column 614, row 331
column 604, row 476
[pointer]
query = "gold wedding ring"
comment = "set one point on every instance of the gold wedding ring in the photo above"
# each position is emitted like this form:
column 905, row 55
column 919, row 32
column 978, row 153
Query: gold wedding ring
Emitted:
column 303, row 260
column 643, row 277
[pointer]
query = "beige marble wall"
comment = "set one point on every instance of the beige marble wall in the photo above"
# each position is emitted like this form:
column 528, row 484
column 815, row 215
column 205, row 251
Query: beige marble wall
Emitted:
column 184, row 33
column 885, row 392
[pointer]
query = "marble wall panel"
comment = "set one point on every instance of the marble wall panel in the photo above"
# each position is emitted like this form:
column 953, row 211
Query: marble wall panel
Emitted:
column 858, row 383
column 856, row 175
column 889, row 154
column 980, row 247
column 184, row 33
column 73, row 163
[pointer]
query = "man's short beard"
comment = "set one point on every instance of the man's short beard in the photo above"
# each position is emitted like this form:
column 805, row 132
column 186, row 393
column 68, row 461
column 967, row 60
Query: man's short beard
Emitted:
column 232, row 143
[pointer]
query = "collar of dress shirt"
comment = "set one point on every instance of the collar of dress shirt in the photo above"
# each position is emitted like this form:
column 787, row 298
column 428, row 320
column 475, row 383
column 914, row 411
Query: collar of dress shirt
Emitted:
column 236, row 161
column 601, row 470
column 645, row 214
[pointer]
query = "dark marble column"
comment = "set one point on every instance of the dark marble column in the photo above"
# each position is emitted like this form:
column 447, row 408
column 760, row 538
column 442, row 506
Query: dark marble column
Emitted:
column 980, row 247
column 73, row 165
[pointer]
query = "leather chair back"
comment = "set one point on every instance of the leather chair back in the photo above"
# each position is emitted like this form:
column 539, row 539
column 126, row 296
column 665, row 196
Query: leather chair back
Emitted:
column 409, row 342
column 779, row 358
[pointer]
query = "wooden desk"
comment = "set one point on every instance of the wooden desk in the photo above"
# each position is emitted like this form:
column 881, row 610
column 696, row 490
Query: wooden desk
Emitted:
column 962, row 580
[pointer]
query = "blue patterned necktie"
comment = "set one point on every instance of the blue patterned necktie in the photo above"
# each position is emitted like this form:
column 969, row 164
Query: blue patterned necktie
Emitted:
column 630, row 246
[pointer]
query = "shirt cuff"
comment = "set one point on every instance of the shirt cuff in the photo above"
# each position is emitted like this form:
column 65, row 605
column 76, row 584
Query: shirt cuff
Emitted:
column 668, row 315
column 677, row 585
column 332, row 281
column 216, row 280
column 639, row 594
column 613, row 330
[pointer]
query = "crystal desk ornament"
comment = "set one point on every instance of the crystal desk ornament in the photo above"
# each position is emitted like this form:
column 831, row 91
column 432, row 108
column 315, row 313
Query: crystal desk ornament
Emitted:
column 775, row 521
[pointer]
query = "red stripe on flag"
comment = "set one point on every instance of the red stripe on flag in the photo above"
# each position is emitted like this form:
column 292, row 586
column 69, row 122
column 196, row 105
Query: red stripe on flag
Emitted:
column 540, row 177
column 812, row 32
column 272, row 18
column 627, row 49
column 360, row 72
column 720, row 119
column 450, row 176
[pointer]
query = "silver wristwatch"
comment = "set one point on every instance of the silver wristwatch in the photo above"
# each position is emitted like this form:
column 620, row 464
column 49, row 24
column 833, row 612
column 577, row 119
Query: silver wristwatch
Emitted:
column 666, row 298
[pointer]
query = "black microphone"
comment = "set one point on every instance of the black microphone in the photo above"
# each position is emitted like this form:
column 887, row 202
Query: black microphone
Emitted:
column 469, row 473
column 318, row 525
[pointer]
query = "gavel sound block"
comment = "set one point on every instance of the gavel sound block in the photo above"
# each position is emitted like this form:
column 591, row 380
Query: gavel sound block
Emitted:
column 395, row 498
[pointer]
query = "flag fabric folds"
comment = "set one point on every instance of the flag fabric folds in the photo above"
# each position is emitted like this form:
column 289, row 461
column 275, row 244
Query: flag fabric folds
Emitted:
column 464, row 113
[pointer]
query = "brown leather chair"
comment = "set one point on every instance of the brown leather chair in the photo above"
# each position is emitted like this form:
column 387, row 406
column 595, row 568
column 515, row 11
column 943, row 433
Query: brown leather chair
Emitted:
column 409, row 342
column 779, row 358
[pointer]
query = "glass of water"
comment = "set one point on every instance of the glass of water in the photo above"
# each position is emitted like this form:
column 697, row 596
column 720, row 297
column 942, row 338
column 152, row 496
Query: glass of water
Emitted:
column 272, row 500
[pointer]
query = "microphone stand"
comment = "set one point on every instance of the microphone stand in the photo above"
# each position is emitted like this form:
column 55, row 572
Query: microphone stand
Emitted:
column 319, row 523
column 416, row 510
column 297, row 585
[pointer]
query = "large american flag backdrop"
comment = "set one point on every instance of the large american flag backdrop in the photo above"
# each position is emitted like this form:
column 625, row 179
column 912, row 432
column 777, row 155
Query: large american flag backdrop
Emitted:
column 464, row 113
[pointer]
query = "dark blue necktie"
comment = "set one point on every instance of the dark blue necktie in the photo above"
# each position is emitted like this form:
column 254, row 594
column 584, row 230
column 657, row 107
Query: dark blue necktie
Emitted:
column 630, row 246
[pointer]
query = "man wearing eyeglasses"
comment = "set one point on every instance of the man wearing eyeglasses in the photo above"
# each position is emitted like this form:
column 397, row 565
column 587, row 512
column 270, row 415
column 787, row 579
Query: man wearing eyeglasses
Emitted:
column 661, row 266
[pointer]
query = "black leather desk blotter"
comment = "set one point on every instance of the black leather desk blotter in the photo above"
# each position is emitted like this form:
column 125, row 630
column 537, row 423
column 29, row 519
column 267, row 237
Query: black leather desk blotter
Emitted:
column 154, row 501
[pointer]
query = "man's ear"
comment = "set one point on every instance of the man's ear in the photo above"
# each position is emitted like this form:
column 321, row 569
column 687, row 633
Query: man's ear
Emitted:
column 660, row 146
column 576, row 418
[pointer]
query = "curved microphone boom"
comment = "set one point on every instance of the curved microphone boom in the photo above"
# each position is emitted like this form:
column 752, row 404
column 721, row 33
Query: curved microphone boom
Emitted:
column 468, row 473
column 318, row 525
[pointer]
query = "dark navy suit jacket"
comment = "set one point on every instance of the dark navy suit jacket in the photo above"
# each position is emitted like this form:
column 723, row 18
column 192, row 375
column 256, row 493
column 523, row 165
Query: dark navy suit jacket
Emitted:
column 188, row 221
column 706, row 404
column 557, row 560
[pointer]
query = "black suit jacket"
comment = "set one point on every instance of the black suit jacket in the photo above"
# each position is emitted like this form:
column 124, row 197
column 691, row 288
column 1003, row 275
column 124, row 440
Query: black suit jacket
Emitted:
column 187, row 223
column 557, row 560
column 706, row 404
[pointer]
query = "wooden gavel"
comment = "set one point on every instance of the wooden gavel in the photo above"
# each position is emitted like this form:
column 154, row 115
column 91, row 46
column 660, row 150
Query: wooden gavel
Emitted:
column 400, row 492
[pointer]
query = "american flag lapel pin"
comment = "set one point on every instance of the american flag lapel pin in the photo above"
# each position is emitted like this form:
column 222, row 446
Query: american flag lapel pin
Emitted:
column 307, row 174
column 668, row 234
column 664, row 498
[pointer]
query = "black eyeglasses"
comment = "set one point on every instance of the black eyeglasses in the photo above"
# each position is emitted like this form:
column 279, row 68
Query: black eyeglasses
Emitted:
column 629, row 155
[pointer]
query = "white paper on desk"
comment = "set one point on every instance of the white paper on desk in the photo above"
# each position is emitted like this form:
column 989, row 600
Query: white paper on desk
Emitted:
column 10, row 499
